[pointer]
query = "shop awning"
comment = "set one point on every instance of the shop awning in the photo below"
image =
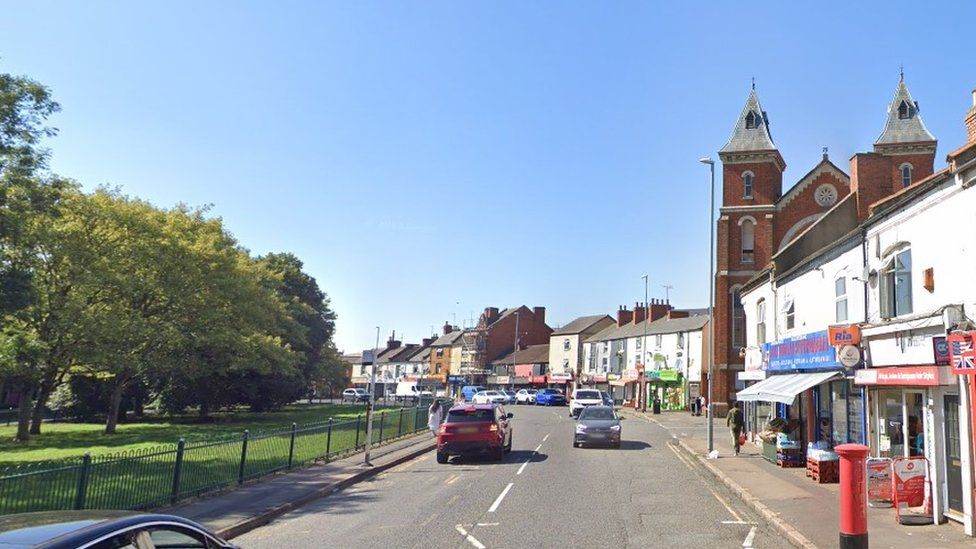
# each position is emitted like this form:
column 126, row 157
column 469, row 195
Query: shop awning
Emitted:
column 783, row 388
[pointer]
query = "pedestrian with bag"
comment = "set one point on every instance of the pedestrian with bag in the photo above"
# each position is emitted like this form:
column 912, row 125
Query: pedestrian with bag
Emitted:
column 435, row 415
column 735, row 423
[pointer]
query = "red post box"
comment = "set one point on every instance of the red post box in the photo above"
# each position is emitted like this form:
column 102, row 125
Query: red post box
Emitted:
column 853, row 496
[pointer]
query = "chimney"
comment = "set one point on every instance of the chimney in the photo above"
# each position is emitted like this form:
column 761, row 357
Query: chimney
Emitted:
column 870, row 180
column 674, row 313
column 392, row 343
column 624, row 316
column 540, row 314
column 659, row 309
column 447, row 328
column 640, row 313
column 490, row 315
column 971, row 122
column 426, row 341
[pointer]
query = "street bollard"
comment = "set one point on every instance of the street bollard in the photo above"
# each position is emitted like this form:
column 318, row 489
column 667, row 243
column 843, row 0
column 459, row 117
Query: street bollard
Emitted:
column 240, row 470
column 382, row 415
column 174, row 493
column 400, row 424
column 853, row 496
column 328, row 441
column 291, row 445
column 359, row 418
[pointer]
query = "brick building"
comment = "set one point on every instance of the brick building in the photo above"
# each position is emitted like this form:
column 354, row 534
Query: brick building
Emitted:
column 757, row 219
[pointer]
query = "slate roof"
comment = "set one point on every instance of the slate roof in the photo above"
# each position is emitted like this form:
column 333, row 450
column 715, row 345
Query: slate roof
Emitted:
column 750, row 139
column 910, row 129
column 533, row 354
column 447, row 340
column 659, row 326
column 580, row 324
column 421, row 356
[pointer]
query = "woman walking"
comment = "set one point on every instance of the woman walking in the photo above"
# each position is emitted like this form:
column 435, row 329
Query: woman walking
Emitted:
column 435, row 414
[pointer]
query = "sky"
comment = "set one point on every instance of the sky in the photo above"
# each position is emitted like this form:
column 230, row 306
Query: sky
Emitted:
column 429, row 159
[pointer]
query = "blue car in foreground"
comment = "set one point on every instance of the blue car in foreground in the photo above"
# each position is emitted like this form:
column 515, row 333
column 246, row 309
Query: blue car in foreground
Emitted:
column 550, row 397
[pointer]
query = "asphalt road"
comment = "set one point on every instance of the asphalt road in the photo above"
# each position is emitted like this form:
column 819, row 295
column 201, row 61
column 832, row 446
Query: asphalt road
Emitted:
column 544, row 494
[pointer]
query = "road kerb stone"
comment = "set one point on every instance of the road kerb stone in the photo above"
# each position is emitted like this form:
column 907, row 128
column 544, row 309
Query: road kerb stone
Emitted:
column 785, row 528
column 265, row 517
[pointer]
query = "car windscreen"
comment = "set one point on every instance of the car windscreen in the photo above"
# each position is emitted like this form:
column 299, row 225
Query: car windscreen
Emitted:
column 470, row 416
column 597, row 413
column 591, row 395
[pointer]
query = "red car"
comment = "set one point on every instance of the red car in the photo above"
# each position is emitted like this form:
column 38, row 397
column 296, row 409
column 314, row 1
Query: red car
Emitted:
column 475, row 429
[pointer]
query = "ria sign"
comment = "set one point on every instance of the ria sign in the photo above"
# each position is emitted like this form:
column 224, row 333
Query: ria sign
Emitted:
column 844, row 335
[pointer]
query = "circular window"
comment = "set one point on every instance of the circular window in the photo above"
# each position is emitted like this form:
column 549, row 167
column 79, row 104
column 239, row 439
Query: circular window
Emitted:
column 825, row 195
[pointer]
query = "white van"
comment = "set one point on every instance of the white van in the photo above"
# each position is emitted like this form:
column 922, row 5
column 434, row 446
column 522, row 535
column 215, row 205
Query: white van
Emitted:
column 408, row 390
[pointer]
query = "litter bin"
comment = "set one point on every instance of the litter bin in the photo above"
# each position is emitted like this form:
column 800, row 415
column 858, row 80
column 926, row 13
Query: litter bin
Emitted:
column 657, row 406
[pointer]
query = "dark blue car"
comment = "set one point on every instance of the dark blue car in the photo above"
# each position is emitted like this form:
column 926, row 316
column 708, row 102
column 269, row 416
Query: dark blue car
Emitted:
column 550, row 397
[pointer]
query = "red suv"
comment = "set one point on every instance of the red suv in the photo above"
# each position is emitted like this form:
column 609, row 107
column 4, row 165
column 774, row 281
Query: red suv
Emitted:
column 475, row 429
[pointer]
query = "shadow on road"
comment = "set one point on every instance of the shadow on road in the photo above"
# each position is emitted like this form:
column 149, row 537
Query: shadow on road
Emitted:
column 634, row 445
column 515, row 456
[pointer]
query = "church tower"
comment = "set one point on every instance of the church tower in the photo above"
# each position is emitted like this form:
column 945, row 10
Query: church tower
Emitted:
column 752, row 182
column 906, row 140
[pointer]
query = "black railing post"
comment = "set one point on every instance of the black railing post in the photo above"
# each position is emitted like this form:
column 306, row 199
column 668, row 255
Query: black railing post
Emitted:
column 240, row 470
column 291, row 446
column 328, row 441
column 82, row 490
column 400, row 424
column 416, row 418
column 177, row 470
column 382, row 415
column 358, row 419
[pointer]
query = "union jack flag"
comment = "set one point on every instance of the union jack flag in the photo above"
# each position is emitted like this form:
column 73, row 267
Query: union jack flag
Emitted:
column 962, row 354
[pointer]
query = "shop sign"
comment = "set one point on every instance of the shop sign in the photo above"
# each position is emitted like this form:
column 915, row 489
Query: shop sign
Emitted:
column 600, row 378
column 613, row 377
column 844, row 335
column 456, row 379
column 940, row 351
column 520, row 380
column 904, row 348
column 963, row 351
column 631, row 374
column 905, row 375
column 805, row 352
column 909, row 480
column 560, row 376
column 537, row 379
column 666, row 375
column 849, row 356
column 502, row 380
column 879, row 481
column 369, row 356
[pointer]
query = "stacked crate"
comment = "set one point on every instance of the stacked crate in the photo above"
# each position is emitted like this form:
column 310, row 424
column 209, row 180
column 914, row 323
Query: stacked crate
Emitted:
column 823, row 471
column 789, row 457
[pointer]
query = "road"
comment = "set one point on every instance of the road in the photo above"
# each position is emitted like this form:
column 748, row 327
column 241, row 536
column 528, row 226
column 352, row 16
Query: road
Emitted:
column 544, row 494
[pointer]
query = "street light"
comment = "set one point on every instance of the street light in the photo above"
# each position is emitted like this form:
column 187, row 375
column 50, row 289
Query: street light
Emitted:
column 711, row 301
column 643, row 377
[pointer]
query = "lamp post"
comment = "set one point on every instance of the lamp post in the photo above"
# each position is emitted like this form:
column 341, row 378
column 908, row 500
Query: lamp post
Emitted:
column 369, row 411
column 643, row 358
column 515, row 347
column 711, row 301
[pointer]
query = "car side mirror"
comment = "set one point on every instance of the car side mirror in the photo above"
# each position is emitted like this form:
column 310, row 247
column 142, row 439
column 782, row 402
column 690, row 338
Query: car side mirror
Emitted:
column 510, row 415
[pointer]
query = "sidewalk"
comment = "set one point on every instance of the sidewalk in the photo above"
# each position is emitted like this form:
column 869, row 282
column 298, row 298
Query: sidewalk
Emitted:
column 804, row 511
column 241, row 510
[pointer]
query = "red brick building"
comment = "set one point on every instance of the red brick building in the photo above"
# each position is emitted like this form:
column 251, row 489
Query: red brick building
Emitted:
column 757, row 219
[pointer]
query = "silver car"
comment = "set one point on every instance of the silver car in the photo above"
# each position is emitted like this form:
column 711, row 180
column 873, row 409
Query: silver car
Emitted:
column 597, row 425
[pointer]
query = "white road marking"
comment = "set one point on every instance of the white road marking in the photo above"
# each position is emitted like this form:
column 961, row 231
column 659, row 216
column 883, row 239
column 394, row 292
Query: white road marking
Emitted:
column 736, row 522
column 522, row 468
column 488, row 524
column 537, row 448
column 545, row 438
column 501, row 496
column 451, row 479
column 469, row 537
column 681, row 458
column 726, row 505
column 750, row 537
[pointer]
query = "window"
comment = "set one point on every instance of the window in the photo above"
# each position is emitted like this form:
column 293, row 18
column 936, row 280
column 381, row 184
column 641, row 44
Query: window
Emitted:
column 640, row 341
column 747, row 185
column 177, row 539
column 789, row 313
column 748, row 241
column 565, row 364
column 761, row 322
column 657, row 341
column 566, row 344
column 440, row 353
column 906, row 175
column 753, row 120
column 738, row 332
column 904, row 111
column 681, row 340
column 896, row 285
column 840, row 299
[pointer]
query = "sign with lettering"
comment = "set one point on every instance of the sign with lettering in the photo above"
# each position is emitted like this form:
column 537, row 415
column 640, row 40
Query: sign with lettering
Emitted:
column 879, row 481
column 909, row 480
column 844, row 335
column 941, row 352
column 805, row 352
column 924, row 376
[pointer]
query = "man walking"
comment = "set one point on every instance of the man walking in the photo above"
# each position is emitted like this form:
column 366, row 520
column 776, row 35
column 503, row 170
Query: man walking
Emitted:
column 735, row 423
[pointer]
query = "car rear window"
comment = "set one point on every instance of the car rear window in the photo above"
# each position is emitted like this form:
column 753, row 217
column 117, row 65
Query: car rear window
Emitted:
column 470, row 416
column 597, row 413
column 588, row 394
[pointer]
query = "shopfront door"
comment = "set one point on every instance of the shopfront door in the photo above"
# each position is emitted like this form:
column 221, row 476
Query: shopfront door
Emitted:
column 953, row 452
column 900, row 417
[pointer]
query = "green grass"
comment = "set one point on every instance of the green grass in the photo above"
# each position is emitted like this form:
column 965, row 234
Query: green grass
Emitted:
column 142, row 477
column 65, row 440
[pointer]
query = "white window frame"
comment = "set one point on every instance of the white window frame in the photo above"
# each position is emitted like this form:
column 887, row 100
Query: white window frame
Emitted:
column 788, row 311
column 889, row 285
column 747, row 254
column 748, row 182
column 761, row 321
column 840, row 299
column 566, row 344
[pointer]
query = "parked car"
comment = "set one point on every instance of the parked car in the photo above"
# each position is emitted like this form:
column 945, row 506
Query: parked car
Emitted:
column 525, row 396
column 409, row 391
column 468, row 391
column 83, row 529
column 475, row 429
column 583, row 398
column 607, row 399
column 509, row 396
column 488, row 397
column 355, row 395
column 550, row 397
column 597, row 425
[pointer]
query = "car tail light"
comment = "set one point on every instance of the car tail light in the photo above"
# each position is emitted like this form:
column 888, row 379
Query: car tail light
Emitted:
column 443, row 428
column 493, row 427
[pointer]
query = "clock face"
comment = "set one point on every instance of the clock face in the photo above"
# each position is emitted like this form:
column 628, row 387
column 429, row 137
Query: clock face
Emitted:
column 825, row 195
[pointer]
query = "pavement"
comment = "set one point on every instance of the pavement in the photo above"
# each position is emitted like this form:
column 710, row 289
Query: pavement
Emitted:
column 803, row 511
column 232, row 513
column 545, row 493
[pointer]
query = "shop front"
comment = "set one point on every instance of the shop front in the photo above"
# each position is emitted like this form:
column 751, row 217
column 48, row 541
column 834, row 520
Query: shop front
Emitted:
column 668, row 387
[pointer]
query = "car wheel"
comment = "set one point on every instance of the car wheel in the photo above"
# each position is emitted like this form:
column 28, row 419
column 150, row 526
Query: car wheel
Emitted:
column 441, row 457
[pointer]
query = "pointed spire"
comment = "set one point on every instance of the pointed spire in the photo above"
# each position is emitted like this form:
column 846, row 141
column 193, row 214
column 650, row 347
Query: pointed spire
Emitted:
column 751, row 132
column 904, row 124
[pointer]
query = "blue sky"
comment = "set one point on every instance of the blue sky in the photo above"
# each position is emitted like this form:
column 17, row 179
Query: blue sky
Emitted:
column 430, row 159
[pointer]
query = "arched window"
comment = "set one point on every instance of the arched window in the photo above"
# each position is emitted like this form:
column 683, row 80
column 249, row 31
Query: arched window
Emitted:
column 748, row 241
column 752, row 120
column 738, row 332
column 906, row 175
column 747, row 185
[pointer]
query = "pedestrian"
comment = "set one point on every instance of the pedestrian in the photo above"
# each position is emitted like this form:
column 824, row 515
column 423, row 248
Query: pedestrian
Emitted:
column 435, row 414
column 701, row 404
column 734, row 421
